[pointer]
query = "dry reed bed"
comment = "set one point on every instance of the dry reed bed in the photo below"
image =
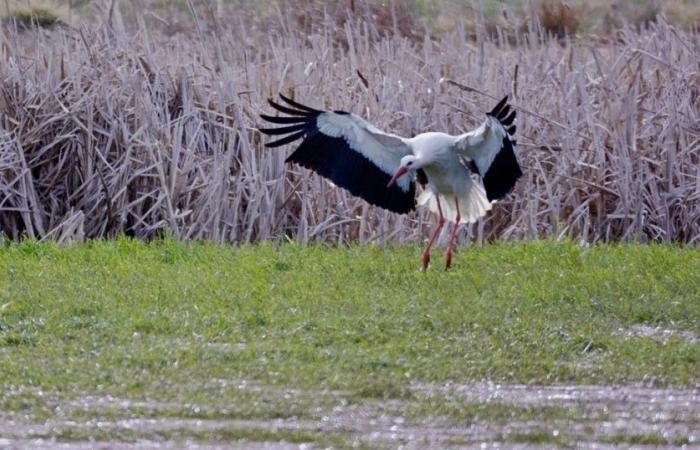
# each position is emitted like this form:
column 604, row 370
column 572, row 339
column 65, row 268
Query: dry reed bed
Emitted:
column 104, row 131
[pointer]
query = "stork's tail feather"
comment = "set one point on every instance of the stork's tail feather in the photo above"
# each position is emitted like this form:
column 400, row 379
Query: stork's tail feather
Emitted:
column 472, row 206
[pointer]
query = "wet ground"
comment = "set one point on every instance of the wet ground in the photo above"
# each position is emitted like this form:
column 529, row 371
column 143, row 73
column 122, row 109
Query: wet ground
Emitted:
column 588, row 416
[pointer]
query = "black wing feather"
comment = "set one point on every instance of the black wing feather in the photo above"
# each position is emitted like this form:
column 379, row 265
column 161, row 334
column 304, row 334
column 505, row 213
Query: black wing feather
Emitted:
column 503, row 112
column 290, row 111
column 497, row 109
column 286, row 140
column 283, row 130
column 291, row 102
column 504, row 171
column 283, row 120
column 508, row 120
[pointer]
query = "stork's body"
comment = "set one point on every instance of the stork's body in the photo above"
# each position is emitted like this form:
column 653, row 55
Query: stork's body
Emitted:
column 446, row 175
column 449, row 180
column 360, row 158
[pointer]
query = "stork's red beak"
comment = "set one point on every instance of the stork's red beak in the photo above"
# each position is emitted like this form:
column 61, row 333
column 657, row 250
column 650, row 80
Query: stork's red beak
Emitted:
column 399, row 173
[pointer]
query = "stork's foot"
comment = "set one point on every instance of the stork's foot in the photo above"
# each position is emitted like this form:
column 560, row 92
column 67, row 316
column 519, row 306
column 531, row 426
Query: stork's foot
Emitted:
column 426, row 261
column 448, row 260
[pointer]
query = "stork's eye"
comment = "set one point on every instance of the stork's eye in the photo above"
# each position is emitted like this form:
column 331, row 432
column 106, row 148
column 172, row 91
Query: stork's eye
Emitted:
column 408, row 164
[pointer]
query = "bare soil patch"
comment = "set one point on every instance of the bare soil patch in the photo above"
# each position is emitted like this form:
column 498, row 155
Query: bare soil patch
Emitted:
column 659, row 334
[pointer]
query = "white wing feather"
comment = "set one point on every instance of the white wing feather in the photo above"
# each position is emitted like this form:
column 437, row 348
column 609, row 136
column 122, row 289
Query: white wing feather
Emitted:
column 483, row 143
column 385, row 150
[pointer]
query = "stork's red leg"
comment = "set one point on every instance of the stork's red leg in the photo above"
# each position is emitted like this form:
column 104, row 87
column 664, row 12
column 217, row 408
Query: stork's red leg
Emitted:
column 436, row 233
column 448, row 257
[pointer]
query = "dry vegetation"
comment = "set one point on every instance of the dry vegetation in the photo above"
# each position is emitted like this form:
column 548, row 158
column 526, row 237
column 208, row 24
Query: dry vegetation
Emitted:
column 149, row 127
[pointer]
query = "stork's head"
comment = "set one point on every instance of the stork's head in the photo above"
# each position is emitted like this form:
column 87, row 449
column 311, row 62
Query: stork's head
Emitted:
column 408, row 162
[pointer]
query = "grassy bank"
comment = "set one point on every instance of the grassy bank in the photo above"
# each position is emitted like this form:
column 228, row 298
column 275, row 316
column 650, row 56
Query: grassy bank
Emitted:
column 189, row 325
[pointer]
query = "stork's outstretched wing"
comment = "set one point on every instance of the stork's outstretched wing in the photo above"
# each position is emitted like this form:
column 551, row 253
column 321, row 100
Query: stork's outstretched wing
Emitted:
column 491, row 147
column 347, row 150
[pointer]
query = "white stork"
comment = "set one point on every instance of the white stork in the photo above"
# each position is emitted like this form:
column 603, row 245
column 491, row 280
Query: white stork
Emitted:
column 371, row 164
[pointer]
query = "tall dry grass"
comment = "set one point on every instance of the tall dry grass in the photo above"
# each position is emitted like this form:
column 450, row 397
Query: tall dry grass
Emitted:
column 107, row 129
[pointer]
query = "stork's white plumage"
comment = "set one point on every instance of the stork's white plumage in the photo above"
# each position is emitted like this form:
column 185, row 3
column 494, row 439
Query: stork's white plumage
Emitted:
column 357, row 156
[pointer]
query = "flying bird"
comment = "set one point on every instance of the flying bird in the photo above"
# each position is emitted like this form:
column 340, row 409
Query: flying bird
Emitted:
column 383, row 168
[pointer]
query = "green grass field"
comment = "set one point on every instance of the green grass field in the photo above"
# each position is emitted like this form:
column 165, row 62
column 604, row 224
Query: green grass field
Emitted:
column 252, row 336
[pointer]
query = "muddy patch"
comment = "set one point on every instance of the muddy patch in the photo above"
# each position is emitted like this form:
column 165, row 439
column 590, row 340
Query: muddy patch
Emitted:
column 603, row 412
column 664, row 404
column 593, row 417
column 49, row 444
